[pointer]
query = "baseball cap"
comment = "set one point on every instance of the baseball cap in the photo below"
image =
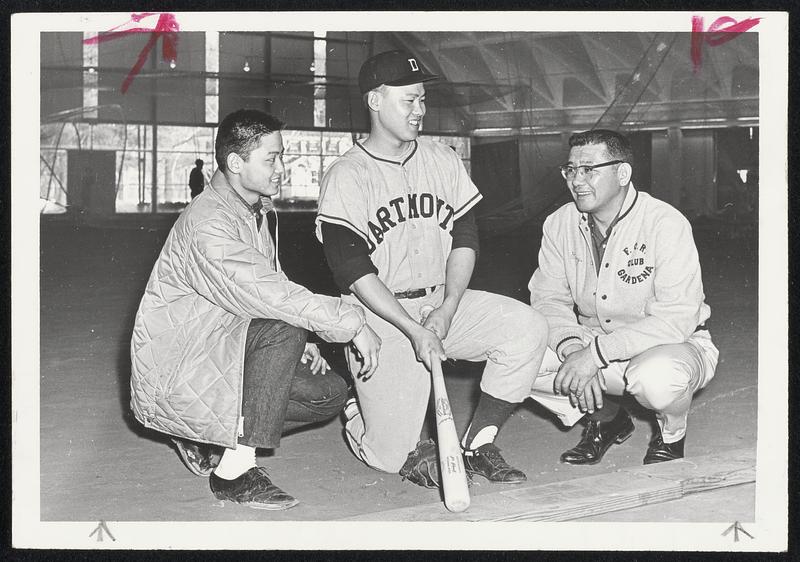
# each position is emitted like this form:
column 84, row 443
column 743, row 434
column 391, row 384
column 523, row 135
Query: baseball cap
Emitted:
column 393, row 68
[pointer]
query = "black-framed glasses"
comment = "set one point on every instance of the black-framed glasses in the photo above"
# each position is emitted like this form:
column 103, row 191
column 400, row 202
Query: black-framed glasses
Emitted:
column 571, row 172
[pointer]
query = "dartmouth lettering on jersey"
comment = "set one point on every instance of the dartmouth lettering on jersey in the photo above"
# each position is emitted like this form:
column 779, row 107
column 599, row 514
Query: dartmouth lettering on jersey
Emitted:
column 413, row 206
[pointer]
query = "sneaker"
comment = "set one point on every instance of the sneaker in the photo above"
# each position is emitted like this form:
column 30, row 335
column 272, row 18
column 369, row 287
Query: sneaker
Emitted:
column 253, row 489
column 200, row 458
column 487, row 461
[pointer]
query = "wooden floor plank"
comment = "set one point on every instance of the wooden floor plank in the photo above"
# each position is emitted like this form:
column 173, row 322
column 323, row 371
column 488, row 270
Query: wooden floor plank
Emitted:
column 582, row 497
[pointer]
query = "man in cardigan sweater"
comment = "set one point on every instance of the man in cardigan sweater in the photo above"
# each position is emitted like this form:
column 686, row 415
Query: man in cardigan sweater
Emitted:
column 620, row 285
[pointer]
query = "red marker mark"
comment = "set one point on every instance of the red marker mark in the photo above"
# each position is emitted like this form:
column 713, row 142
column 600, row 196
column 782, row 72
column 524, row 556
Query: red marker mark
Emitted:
column 723, row 29
column 166, row 27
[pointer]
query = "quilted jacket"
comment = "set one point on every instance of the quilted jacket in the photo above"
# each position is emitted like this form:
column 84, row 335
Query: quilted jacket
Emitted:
column 215, row 272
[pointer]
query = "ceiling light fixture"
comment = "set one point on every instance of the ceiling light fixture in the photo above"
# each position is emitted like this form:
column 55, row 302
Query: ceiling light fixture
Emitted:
column 246, row 66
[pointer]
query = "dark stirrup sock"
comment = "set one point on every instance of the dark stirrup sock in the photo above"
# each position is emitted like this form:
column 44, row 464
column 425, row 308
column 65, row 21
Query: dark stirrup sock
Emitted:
column 489, row 416
column 608, row 412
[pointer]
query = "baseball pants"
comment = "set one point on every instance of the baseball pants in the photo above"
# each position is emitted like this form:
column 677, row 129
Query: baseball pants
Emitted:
column 509, row 335
column 663, row 378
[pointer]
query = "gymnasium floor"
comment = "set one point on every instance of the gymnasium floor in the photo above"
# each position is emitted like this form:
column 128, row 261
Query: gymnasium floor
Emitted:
column 98, row 463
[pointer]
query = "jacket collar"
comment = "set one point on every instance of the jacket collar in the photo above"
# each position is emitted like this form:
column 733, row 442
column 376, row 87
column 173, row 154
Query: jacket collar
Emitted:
column 236, row 202
column 627, row 205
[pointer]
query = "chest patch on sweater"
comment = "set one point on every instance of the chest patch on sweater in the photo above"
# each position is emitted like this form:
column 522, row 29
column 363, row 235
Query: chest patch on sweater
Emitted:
column 637, row 267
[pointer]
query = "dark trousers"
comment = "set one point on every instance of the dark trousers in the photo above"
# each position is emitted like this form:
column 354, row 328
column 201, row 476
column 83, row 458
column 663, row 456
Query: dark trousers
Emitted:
column 280, row 393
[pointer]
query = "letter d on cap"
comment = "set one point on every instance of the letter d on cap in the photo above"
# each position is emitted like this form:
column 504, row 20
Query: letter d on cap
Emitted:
column 413, row 63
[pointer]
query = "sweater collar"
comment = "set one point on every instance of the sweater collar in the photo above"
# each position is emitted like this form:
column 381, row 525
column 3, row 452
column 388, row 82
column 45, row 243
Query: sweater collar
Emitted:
column 627, row 206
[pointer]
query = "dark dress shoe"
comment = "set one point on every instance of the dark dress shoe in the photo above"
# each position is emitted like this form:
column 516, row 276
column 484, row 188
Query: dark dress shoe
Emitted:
column 487, row 461
column 598, row 437
column 658, row 451
column 253, row 489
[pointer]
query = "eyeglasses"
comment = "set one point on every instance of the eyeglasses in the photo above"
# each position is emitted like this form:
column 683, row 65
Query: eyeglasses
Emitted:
column 570, row 172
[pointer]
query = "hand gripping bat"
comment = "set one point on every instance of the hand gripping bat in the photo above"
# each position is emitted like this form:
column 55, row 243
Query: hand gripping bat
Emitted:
column 451, row 462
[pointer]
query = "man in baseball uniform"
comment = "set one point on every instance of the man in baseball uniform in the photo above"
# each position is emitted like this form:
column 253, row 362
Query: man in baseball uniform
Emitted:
column 620, row 285
column 396, row 221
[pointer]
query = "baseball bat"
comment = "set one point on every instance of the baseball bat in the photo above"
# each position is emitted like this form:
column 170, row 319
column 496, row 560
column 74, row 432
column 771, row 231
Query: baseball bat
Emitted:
column 451, row 462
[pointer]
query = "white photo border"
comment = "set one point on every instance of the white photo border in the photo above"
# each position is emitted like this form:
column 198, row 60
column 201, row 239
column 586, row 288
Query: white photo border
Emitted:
column 771, row 518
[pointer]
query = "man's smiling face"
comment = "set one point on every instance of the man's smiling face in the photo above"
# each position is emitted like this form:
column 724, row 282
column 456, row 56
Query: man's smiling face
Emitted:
column 401, row 111
column 601, row 192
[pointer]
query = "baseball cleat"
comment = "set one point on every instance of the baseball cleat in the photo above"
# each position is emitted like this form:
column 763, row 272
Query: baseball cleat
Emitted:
column 487, row 461
column 422, row 465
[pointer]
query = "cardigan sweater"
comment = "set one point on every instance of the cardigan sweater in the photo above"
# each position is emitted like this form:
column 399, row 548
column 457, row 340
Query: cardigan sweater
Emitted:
column 648, row 291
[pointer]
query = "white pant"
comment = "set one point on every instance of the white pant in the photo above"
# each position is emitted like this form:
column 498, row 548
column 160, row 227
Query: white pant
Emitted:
column 508, row 334
column 663, row 379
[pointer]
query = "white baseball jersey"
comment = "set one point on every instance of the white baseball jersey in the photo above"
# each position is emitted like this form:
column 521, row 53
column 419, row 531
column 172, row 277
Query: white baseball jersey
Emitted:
column 404, row 209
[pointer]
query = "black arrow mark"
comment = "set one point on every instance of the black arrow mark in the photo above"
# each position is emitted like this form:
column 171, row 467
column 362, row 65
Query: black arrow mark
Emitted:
column 101, row 526
column 736, row 527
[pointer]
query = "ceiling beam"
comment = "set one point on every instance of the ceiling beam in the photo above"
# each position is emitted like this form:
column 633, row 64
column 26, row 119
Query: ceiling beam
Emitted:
column 657, row 115
column 594, row 47
column 592, row 87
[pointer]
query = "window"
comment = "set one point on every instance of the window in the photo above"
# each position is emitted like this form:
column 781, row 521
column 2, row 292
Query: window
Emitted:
column 133, row 146
column 222, row 72
column 308, row 154
column 178, row 148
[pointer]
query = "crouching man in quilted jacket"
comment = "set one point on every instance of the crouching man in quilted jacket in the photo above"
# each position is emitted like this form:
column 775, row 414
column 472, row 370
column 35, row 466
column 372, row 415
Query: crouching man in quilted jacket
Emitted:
column 219, row 352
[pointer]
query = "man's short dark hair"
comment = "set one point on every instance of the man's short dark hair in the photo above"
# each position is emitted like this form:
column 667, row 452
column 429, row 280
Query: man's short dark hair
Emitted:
column 199, row 162
column 617, row 145
column 241, row 131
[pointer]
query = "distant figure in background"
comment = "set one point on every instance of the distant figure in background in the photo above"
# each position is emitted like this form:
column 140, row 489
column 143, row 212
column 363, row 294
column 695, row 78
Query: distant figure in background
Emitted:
column 196, row 180
column 620, row 285
column 219, row 352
